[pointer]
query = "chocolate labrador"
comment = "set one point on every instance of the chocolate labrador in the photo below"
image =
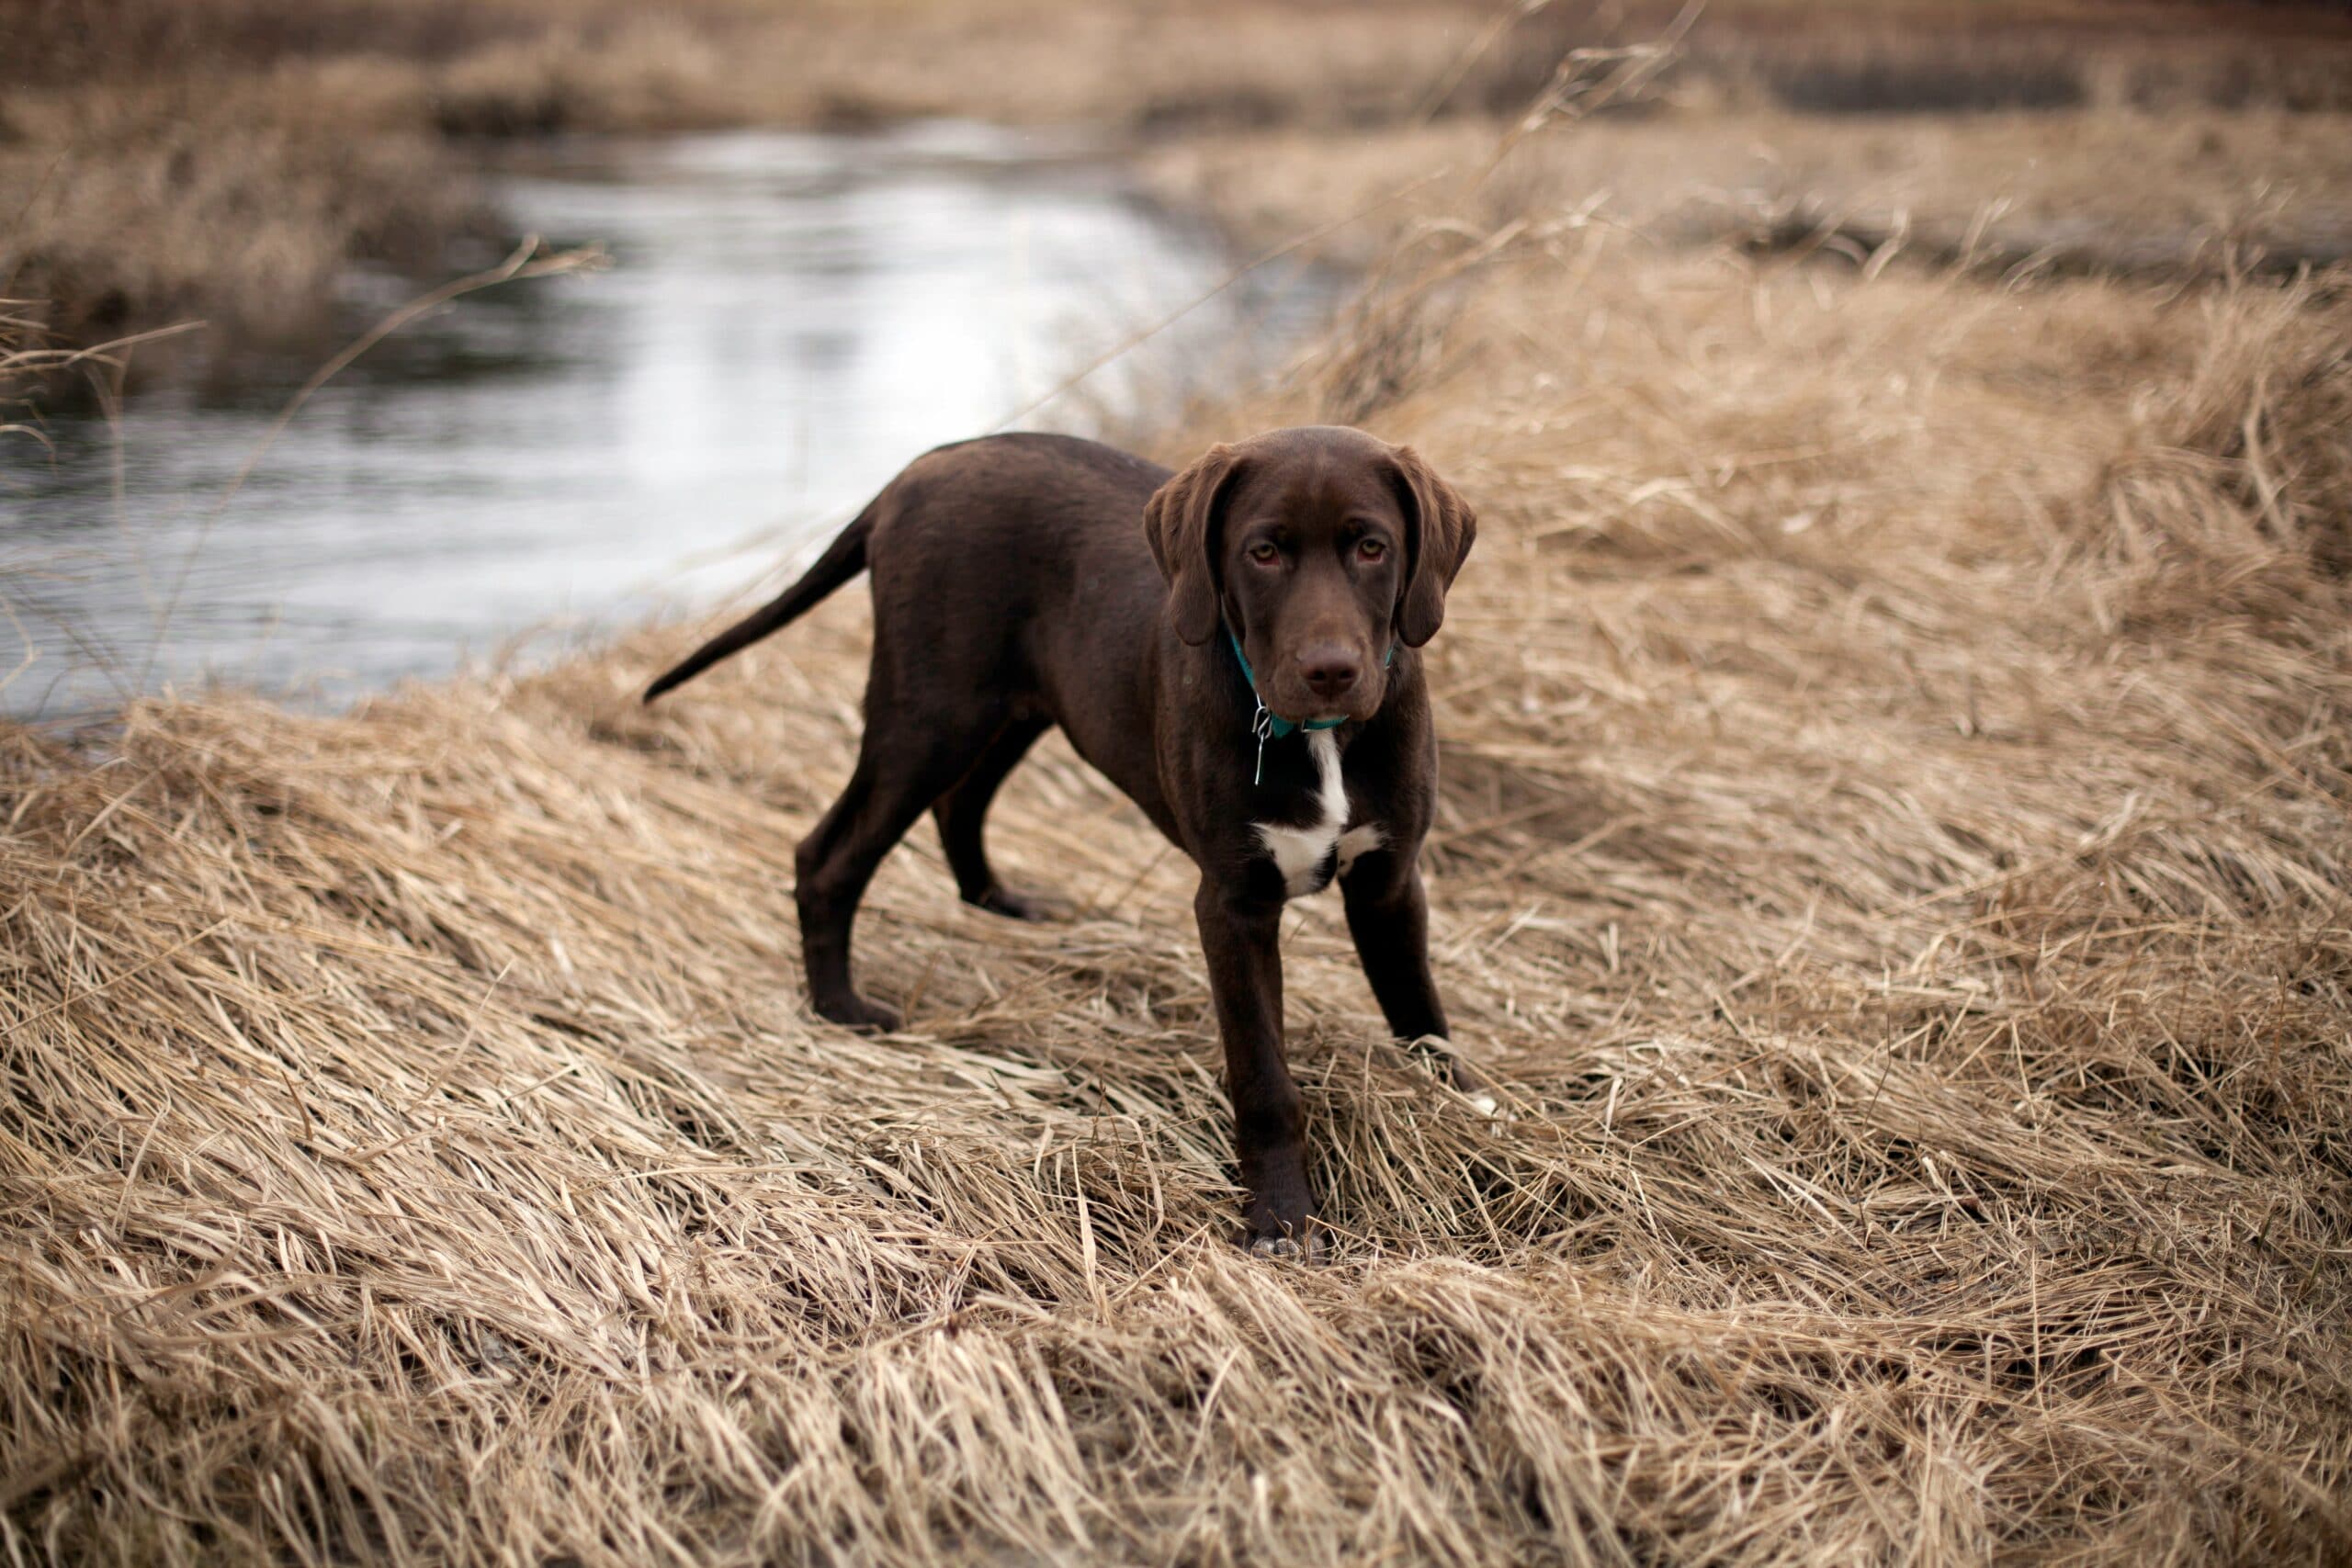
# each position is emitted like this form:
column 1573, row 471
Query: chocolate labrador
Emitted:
column 1233, row 646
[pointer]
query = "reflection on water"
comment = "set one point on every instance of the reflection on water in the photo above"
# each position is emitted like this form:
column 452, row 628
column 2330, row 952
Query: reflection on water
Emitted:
column 789, row 318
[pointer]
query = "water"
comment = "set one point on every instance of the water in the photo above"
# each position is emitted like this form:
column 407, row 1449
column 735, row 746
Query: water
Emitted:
column 789, row 318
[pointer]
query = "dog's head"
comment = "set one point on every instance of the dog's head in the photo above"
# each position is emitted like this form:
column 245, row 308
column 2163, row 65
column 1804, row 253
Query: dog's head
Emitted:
column 1321, row 547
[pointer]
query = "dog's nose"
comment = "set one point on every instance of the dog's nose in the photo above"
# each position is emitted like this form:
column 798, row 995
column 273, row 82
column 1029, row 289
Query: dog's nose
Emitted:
column 1330, row 672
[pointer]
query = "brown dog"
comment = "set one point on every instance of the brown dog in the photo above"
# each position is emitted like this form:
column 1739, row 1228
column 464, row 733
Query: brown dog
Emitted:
column 1234, row 646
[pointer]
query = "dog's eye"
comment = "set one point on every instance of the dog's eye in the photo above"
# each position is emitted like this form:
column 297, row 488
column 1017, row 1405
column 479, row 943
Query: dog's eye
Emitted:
column 1371, row 549
column 1264, row 553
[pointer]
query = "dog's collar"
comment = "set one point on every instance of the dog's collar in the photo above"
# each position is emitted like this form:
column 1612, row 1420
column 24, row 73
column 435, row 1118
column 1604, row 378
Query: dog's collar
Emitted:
column 1267, row 725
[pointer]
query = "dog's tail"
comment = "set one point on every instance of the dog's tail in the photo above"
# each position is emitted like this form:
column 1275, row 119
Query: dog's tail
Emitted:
column 843, row 559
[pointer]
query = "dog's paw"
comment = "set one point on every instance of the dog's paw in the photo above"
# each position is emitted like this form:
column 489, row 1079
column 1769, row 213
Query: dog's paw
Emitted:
column 1034, row 906
column 1302, row 1241
column 1287, row 1248
column 1452, row 1066
column 1450, row 1062
column 856, row 1012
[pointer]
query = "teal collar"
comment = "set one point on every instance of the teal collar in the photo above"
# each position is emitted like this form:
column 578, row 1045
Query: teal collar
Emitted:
column 1270, row 726
column 1275, row 727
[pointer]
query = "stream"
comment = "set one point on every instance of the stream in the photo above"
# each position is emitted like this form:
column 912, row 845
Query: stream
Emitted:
column 787, row 319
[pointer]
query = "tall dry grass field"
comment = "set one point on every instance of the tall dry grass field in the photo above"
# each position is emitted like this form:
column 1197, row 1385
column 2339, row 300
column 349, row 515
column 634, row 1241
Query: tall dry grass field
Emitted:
column 1893, row 847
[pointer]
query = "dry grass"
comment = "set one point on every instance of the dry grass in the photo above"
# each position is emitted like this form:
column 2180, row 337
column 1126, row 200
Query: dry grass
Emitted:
column 2186, row 194
column 161, row 159
column 1892, row 845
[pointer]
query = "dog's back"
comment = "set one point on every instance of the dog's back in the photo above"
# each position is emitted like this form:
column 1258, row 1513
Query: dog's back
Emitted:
column 1020, row 561
column 979, row 539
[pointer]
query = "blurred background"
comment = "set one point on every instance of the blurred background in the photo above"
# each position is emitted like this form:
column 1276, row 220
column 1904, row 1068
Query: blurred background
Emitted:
column 768, row 252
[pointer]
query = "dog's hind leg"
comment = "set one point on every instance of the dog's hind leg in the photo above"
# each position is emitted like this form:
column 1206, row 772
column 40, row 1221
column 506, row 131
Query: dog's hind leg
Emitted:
column 962, row 814
column 902, row 767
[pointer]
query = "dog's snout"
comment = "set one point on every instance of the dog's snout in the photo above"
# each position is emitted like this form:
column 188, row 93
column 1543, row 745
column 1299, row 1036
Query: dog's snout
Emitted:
column 1330, row 672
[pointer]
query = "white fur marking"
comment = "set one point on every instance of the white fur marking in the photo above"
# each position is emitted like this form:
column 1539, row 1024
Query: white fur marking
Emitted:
column 1299, row 853
column 1363, row 838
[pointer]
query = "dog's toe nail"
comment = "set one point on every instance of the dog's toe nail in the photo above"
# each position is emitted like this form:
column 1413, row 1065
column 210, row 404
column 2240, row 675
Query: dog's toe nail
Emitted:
column 1274, row 1246
column 1487, row 1104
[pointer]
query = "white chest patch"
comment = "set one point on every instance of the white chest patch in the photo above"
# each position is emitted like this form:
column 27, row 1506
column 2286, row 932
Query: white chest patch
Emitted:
column 1303, row 854
column 1361, row 840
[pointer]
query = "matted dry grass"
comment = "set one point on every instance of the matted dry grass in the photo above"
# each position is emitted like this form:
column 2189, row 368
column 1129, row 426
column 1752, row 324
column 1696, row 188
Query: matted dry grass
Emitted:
column 1893, row 847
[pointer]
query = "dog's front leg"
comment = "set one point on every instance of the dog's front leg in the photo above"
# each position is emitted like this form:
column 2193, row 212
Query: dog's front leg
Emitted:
column 1388, row 915
column 1241, row 936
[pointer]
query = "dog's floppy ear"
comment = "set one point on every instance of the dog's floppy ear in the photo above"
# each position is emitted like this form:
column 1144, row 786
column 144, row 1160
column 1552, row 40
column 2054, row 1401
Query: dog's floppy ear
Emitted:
column 1181, row 522
column 1440, row 528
